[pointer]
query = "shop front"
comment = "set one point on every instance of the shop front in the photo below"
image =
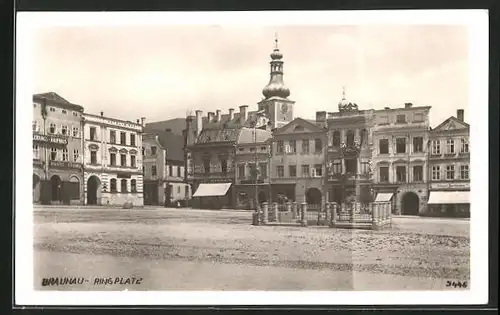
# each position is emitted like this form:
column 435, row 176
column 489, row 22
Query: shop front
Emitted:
column 449, row 200
column 213, row 195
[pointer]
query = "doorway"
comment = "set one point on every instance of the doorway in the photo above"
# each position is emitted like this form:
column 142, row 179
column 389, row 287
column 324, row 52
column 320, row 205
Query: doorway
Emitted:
column 93, row 192
column 36, row 188
column 55, row 185
column 410, row 204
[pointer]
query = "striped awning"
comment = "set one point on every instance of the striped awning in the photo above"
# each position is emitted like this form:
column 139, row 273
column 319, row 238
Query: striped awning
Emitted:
column 382, row 197
column 212, row 190
column 449, row 197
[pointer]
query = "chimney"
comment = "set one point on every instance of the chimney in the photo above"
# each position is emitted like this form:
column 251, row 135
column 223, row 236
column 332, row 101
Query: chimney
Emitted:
column 210, row 116
column 137, row 121
column 217, row 113
column 243, row 114
column 321, row 116
column 143, row 121
column 199, row 121
column 102, row 113
column 231, row 114
column 408, row 105
column 330, row 115
column 460, row 114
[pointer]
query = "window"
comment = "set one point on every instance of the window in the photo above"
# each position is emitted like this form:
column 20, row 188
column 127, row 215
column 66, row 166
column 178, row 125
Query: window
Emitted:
column 401, row 174
column 436, row 147
column 64, row 130
column 123, row 185
column 464, row 146
column 75, row 114
column 206, row 165
column 401, row 119
column 318, row 145
column 65, row 154
column 336, row 139
column 383, row 146
column 263, row 148
column 52, row 109
column 186, row 191
column 280, row 147
column 364, row 137
column 112, row 159
column 143, row 151
column 418, row 144
column 350, row 138
column 36, row 126
column 93, row 134
column 464, row 171
column 351, row 166
column 318, row 170
column 123, row 138
column 64, row 111
column 132, row 161
column 292, row 171
column 252, row 149
column 76, row 132
column 113, row 185
column 93, row 157
column 112, row 136
column 76, row 155
column 337, row 167
column 365, row 168
column 450, row 171
column 401, row 145
column 241, row 149
column 153, row 170
column 263, row 170
column 53, row 154
column 436, row 172
column 241, row 171
column 133, row 186
column 153, row 150
column 132, row 139
column 418, row 117
column 178, row 189
column 384, row 173
column 52, row 128
column 418, row 172
column 123, row 160
column 305, row 146
column 450, row 146
column 281, row 171
column 171, row 170
column 305, row 171
column 293, row 146
column 384, row 120
column 36, row 151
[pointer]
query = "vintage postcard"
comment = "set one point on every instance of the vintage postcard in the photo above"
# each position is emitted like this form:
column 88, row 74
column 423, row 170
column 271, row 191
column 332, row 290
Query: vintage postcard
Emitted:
column 252, row 158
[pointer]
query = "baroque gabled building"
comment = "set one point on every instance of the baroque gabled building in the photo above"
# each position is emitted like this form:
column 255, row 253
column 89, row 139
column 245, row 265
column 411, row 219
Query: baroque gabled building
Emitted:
column 449, row 168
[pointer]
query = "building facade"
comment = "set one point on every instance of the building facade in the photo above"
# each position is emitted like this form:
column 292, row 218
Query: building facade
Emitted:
column 298, row 162
column 400, row 138
column 349, row 152
column 57, row 150
column 449, row 168
column 164, row 169
column 112, row 161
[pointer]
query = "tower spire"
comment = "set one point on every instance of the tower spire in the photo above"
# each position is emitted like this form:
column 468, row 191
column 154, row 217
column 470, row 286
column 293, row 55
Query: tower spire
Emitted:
column 276, row 86
column 343, row 92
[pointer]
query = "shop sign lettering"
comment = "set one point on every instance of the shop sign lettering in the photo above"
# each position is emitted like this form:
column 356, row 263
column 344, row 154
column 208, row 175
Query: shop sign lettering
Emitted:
column 50, row 139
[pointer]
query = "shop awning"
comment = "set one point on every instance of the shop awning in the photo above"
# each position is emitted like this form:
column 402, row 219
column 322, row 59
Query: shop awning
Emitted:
column 381, row 197
column 448, row 197
column 212, row 190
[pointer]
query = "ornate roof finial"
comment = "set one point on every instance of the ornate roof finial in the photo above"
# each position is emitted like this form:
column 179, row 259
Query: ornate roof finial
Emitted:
column 343, row 92
column 275, row 40
column 276, row 87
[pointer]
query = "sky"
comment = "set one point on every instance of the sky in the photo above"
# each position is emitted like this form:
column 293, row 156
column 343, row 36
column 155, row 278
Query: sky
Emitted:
column 165, row 71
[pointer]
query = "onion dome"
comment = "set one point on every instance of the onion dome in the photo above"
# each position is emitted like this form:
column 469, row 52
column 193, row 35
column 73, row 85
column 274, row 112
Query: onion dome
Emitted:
column 276, row 86
column 345, row 105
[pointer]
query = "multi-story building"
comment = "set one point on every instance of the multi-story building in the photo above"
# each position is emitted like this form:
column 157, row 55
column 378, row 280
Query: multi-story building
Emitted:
column 449, row 168
column 113, row 161
column 400, row 137
column 297, row 163
column 57, row 150
column 349, row 152
column 164, row 169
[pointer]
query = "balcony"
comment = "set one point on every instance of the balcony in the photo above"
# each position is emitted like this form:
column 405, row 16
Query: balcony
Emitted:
column 350, row 150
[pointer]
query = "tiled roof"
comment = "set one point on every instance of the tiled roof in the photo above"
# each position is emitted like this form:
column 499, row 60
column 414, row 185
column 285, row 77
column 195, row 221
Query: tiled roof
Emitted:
column 52, row 96
column 222, row 135
column 247, row 136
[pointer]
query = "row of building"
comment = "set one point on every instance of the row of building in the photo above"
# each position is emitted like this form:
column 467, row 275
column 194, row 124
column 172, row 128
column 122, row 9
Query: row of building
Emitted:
column 237, row 159
column 82, row 158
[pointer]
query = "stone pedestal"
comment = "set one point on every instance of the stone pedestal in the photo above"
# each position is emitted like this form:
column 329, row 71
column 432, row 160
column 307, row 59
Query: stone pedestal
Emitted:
column 333, row 215
column 288, row 207
column 303, row 214
column 294, row 210
column 265, row 213
column 327, row 212
column 352, row 212
column 375, row 216
column 276, row 212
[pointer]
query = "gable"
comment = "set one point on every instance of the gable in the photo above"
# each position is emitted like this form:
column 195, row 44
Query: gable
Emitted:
column 298, row 125
column 450, row 124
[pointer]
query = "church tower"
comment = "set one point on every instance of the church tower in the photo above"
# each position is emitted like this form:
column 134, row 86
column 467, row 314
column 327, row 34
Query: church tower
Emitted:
column 276, row 105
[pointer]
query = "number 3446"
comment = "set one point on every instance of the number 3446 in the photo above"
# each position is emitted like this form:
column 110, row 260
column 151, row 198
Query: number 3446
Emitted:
column 456, row 284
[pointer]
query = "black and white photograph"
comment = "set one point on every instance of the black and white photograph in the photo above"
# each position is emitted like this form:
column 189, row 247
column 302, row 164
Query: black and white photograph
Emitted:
column 335, row 157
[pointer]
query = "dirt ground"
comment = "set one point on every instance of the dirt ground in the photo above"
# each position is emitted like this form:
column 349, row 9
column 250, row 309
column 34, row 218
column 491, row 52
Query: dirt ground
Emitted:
column 184, row 249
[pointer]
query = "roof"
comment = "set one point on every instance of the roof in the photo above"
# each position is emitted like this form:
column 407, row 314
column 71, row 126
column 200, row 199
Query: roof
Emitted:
column 55, row 99
column 177, row 125
column 172, row 143
column 246, row 136
column 225, row 122
column 449, row 120
column 222, row 135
